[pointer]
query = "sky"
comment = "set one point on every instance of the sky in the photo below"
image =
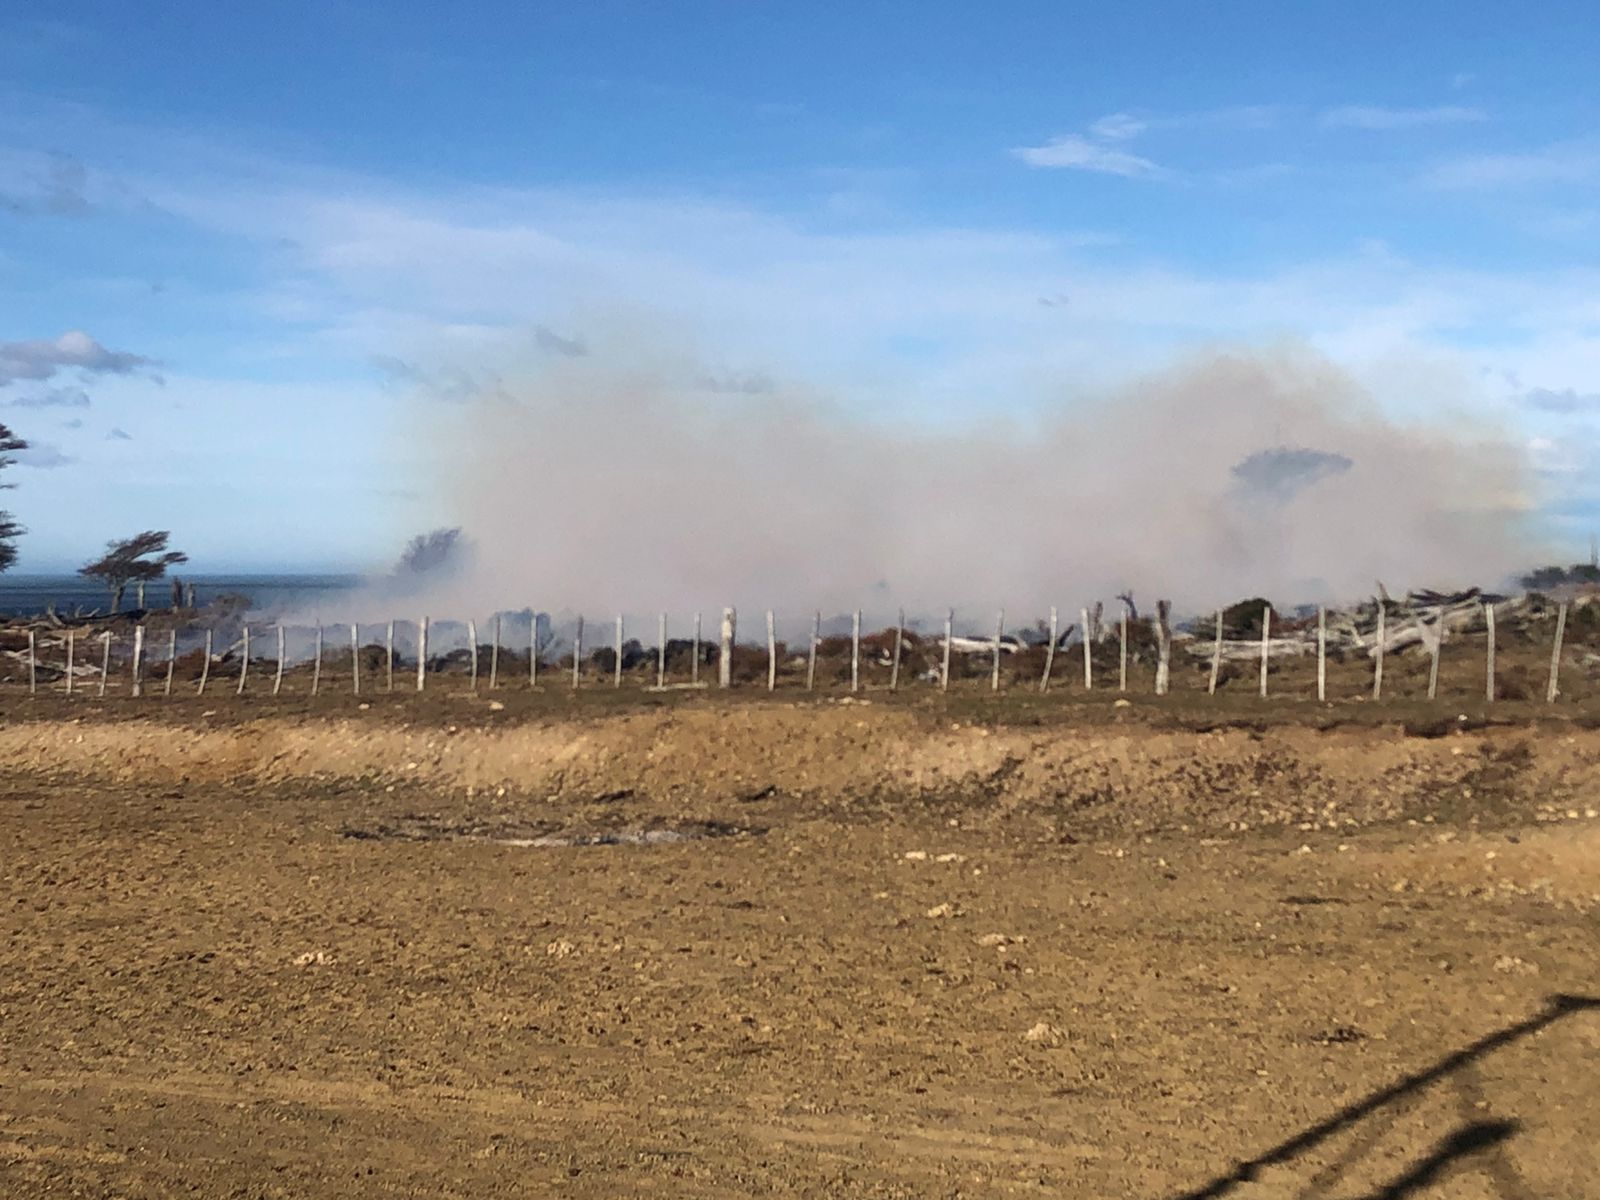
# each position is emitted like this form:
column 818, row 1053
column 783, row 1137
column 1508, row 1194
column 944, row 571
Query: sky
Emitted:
column 252, row 257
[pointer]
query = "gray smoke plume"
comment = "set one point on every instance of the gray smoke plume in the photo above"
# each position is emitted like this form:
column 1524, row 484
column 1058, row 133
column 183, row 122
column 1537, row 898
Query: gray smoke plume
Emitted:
column 605, row 488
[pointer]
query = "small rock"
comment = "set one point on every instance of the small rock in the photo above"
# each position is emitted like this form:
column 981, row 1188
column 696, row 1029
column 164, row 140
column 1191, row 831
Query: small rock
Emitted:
column 560, row 948
column 1511, row 964
column 496, row 705
column 944, row 910
column 1122, row 704
column 313, row 958
column 1044, row 1034
column 994, row 939
column 951, row 858
column 916, row 856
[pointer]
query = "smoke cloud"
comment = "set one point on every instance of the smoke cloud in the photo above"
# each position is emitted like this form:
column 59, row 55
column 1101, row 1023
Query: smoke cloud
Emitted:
column 635, row 488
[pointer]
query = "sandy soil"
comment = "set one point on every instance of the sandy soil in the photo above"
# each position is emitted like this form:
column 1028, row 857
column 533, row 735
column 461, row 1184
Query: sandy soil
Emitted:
column 931, row 950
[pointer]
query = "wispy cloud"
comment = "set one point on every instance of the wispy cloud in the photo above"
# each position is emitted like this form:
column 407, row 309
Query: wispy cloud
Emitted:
column 1118, row 126
column 1075, row 152
column 73, row 350
column 1371, row 116
column 1568, row 162
column 1564, row 402
column 57, row 397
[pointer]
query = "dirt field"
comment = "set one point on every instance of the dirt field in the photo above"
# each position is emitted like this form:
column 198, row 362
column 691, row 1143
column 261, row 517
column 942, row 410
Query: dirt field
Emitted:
column 679, row 946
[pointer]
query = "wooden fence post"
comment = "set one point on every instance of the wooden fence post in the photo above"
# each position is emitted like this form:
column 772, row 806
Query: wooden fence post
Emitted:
column 855, row 651
column 577, row 651
column 388, row 658
column 316, row 663
column 899, row 646
column 1050, row 650
column 533, row 650
column 105, row 662
column 205, row 667
column 1438, row 643
column 422, row 653
column 69, row 662
column 1163, row 647
column 33, row 668
column 1216, row 657
column 772, row 654
column 661, row 651
column 138, row 591
column 472, row 645
column 616, row 667
column 1488, row 686
column 277, row 678
column 1554, row 689
column 994, row 670
column 1322, row 653
column 949, row 633
column 811, row 656
column 172, row 659
column 138, row 659
column 1088, row 652
column 694, row 656
column 494, row 655
column 244, row 659
column 1266, row 646
column 1122, row 670
column 1377, row 664
column 730, row 623
column 355, row 658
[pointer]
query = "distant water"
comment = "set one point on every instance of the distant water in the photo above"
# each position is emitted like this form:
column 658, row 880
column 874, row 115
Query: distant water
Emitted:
column 30, row 595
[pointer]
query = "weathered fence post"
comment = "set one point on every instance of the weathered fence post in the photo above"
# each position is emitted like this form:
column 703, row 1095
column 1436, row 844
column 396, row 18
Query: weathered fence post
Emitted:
column 1216, row 658
column 1377, row 664
column 694, row 657
column 388, row 658
column 899, row 646
column 661, row 651
column 616, row 667
column 422, row 653
column 533, row 650
column 1050, row 650
column 994, row 670
column 138, row 591
column 355, row 658
column 494, row 655
column 949, row 634
column 69, row 662
column 172, row 659
column 1554, row 689
column 1266, row 646
column 105, row 662
column 138, row 659
column 730, row 621
column 1088, row 652
column 1438, row 643
column 1163, row 647
column 472, row 645
column 33, row 669
column 1322, row 653
column 855, row 651
column 244, row 658
column 1122, row 669
column 577, row 651
column 772, row 654
column 811, row 655
column 205, row 667
column 316, row 662
column 277, row 678
column 1488, row 686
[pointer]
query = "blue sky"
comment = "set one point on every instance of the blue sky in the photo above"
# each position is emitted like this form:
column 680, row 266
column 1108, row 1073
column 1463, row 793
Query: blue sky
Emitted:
column 234, row 238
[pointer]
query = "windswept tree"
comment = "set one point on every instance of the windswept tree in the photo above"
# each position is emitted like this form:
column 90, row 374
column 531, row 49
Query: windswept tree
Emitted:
column 142, row 557
column 10, row 531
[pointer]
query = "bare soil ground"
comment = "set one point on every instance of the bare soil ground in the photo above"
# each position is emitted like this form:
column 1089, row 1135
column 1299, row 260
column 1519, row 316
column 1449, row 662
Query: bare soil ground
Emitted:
column 685, row 946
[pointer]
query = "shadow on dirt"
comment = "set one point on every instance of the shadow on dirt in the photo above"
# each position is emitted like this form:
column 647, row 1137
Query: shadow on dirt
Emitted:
column 1466, row 1140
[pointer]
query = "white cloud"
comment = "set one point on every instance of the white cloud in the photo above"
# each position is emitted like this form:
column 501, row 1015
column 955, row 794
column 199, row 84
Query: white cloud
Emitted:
column 43, row 359
column 1570, row 162
column 1079, row 153
column 1367, row 116
column 1118, row 126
